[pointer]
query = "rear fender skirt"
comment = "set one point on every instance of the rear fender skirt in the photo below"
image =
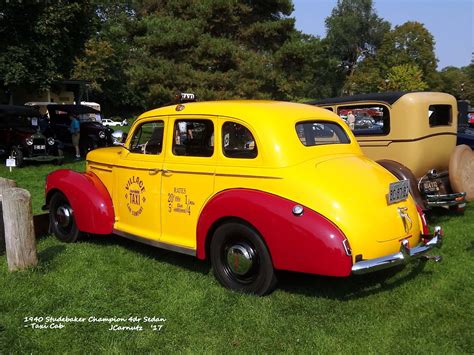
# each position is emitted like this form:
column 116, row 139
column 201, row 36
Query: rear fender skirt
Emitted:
column 89, row 199
column 309, row 243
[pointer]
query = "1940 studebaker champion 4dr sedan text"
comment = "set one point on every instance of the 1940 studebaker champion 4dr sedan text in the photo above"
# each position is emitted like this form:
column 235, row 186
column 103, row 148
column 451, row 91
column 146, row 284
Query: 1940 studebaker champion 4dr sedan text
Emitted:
column 254, row 186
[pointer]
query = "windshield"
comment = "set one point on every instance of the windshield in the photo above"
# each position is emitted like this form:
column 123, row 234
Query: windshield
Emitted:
column 313, row 133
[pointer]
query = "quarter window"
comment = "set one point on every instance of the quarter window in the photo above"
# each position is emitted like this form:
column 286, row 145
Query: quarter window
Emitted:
column 237, row 141
column 148, row 138
column 193, row 138
column 439, row 115
column 320, row 133
column 366, row 120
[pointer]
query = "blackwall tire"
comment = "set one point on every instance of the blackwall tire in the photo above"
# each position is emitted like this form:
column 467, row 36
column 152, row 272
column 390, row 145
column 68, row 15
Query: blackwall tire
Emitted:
column 62, row 220
column 241, row 261
column 17, row 154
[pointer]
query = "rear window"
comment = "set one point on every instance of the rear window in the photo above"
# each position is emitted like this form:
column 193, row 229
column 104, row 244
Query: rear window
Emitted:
column 440, row 115
column 313, row 133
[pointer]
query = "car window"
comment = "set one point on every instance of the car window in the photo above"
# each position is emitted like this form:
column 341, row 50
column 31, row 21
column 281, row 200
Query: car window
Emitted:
column 237, row 141
column 439, row 115
column 193, row 137
column 366, row 119
column 148, row 138
column 313, row 133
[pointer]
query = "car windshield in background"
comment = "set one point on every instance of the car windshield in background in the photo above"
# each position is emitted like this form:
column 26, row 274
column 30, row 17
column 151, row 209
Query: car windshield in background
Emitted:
column 313, row 133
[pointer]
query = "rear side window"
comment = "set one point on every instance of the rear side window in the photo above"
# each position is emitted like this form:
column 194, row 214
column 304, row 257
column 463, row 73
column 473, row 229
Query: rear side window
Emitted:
column 440, row 115
column 366, row 120
column 313, row 133
column 237, row 141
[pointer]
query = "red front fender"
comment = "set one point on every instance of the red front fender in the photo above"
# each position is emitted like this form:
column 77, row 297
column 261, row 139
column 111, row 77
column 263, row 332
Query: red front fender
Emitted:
column 308, row 243
column 89, row 199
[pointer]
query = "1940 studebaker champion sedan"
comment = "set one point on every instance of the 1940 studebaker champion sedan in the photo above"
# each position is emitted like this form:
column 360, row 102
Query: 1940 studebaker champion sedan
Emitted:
column 254, row 186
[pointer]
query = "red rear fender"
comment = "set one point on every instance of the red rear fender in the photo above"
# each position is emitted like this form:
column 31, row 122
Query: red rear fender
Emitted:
column 89, row 199
column 308, row 243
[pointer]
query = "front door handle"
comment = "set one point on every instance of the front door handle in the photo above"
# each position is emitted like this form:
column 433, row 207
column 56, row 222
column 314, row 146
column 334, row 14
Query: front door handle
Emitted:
column 156, row 171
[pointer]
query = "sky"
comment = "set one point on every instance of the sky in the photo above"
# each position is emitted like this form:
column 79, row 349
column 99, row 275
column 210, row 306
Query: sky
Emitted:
column 449, row 21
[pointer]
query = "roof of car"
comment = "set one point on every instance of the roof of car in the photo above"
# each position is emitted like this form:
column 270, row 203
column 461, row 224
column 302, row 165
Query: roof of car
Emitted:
column 74, row 109
column 10, row 110
column 388, row 97
column 253, row 111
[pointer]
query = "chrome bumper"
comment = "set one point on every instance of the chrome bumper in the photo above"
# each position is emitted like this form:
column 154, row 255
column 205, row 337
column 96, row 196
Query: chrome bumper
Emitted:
column 402, row 257
column 456, row 199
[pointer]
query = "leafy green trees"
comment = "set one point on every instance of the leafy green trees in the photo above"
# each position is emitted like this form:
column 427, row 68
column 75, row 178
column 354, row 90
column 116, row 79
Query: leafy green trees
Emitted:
column 354, row 32
column 410, row 44
column 39, row 40
column 218, row 49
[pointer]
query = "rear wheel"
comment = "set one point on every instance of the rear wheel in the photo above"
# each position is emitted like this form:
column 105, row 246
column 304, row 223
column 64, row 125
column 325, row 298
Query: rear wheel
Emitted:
column 241, row 261
column 17, row 154
column 62, row 220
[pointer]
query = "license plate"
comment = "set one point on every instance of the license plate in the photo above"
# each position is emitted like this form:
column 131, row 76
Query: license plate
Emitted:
column 39, row 147
column 430, row 186
column 398, row 191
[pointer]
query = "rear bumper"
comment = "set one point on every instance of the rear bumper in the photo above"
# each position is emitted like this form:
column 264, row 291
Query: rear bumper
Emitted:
column 404, row 256
column 456, row 199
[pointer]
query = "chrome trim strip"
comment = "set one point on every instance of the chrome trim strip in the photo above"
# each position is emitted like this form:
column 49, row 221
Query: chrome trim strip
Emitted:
column 155, row 243
column 404, row 256
column 250, row 176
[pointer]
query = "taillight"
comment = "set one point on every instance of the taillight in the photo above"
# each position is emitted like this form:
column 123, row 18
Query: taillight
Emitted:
column 426, row 229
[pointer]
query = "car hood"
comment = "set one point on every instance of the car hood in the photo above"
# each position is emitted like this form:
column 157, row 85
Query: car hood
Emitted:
column 351, row 191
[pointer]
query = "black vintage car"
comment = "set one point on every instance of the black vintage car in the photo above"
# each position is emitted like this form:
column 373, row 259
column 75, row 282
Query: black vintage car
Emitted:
column 465, row 124
column 21, row 138
column 93, row 133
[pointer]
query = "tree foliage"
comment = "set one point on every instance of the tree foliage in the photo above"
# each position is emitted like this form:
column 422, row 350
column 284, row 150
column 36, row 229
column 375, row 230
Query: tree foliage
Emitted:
column 410, row 43
column 354, row 31
column 39, row 40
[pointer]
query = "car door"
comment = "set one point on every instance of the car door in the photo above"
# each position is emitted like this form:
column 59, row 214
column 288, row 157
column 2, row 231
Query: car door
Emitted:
column 138, row 181
column 187, row 178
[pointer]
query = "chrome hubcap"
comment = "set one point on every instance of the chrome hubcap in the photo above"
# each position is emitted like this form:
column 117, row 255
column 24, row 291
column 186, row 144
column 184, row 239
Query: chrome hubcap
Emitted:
column 63, row 216
column 240, row 258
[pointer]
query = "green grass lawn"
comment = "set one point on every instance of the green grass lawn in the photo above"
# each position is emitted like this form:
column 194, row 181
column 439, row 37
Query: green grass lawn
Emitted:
column 425, row 307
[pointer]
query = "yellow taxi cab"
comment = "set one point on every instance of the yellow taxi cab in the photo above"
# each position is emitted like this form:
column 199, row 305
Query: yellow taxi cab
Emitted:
column 252, row 186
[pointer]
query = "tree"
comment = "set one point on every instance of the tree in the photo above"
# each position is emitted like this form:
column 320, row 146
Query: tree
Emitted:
column 410, row 43
column 216, row 48
column 354, row 31
column 42, row 49
column 405, row 77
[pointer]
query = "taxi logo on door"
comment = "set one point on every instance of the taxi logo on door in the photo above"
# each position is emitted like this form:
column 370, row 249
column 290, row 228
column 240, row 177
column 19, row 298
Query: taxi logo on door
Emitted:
column 135, row 195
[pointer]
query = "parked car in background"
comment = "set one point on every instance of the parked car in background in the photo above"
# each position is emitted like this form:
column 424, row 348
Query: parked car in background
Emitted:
column 223, row 182
column 21, row 137
column 111, row 123
column 465, row 124
column 93, row 134
column 415, row 139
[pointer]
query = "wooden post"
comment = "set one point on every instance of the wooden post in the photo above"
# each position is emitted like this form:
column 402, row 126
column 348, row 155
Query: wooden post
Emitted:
column 19, row 229
column 4, row 184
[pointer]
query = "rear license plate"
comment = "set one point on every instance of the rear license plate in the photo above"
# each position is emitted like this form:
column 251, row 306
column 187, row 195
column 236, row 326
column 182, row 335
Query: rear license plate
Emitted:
column 39, row 147
column 398, row 191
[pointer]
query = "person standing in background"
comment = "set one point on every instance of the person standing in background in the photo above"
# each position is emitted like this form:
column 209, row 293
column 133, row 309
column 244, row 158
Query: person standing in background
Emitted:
column 75, row 130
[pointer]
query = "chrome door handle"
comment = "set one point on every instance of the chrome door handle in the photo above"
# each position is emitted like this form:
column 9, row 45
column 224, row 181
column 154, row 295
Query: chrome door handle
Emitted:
column 154, row 171
column 166, row 172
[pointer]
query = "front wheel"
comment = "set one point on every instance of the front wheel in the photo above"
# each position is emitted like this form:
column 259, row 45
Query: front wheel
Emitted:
column 61, row 218
column 241, row 261
column 17, row 154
